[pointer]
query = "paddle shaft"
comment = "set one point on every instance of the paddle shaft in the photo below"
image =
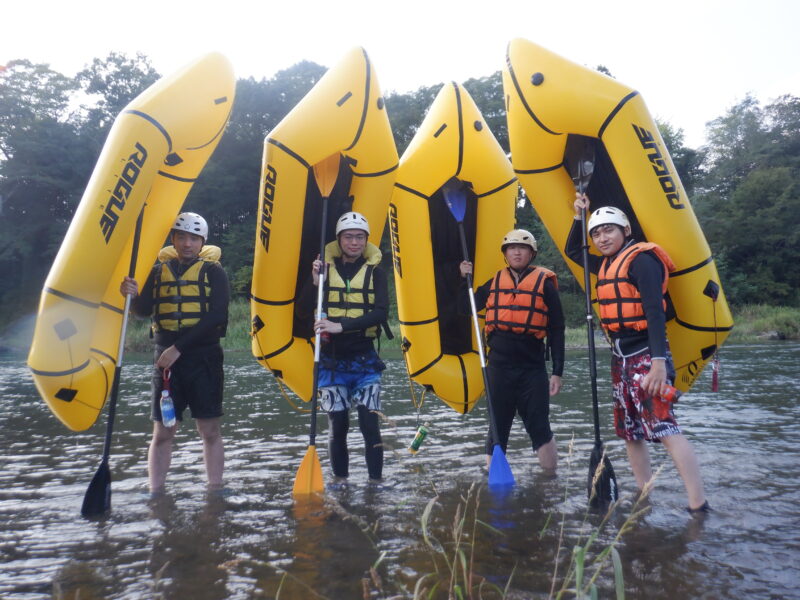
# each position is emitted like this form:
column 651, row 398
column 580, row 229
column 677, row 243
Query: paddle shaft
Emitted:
column 478, row 335
column 587, row 282
column 312, row 435
column 112, row 405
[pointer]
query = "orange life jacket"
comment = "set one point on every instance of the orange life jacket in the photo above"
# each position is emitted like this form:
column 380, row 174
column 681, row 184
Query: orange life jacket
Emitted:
column 518, row 307
column 620, row 300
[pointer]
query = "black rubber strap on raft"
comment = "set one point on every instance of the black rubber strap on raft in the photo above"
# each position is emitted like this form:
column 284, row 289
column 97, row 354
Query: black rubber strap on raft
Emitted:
column 522, row 98
column 413, row 323
column 220, row 130
column 614, row 112
column 694, row 267
column 278, row 351
column 60, row 373
column 465, row 382
column 460, row 112
column 411, row 191
column 497, row 189
column 176, row 178
column 155, row 123
column 537, row 171
column 365, row 108
column 271, row 302
column 289, row 151
column 428, row 366
column 377, row 173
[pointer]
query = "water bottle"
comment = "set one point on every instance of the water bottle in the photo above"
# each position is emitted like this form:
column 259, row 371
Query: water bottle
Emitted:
column 324, row 336
column 661, row 402
column 167, row 409
column 422, row 433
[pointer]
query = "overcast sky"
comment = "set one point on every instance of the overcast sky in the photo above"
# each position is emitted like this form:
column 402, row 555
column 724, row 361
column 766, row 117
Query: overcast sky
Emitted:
column 690, row 59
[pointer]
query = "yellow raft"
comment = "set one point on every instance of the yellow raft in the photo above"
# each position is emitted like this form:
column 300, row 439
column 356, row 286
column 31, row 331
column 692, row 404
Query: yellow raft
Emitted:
column 549, row 99
column 154, row 152
column 452, row 142
column 343, row 113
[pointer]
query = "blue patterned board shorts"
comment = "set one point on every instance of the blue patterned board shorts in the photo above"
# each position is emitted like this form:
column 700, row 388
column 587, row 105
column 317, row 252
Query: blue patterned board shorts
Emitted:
column 634, row 418
column 352, row 381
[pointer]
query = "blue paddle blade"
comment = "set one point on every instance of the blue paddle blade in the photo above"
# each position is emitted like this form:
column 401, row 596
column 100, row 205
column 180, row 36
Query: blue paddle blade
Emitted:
column 456, row 199
column 499, row 470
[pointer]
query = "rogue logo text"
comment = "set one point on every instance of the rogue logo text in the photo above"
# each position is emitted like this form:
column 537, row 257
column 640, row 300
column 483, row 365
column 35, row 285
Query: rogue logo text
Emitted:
column 121, row 192
column 395, row 235
column 660, row 167
column 268, row 198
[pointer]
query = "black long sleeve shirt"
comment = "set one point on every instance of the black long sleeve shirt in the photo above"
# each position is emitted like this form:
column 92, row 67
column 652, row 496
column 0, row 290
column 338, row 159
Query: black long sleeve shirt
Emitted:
column 352, row 344
column 646, row 273
column 515, row 349
column 208, row 329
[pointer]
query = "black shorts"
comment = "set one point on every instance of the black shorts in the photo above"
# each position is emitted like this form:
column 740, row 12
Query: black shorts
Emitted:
column 522, row 390
column 196, row 382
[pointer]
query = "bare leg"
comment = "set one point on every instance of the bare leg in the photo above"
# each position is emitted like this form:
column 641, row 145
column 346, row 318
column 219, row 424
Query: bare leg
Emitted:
column 685, row 460
column 548, row 456
column 159, row 456
column 639, row 458
column 213, row 449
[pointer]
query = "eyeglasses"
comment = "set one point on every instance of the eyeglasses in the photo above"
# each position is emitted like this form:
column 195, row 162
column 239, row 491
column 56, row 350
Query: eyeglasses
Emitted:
column 602, row 230
column 354, row 237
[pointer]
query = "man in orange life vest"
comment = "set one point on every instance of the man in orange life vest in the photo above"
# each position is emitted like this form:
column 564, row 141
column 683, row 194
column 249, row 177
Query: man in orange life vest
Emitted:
column 522, row 308
column 631, row 286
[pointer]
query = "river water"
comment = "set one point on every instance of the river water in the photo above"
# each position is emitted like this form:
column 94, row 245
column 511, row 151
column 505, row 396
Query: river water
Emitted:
column 254, row 541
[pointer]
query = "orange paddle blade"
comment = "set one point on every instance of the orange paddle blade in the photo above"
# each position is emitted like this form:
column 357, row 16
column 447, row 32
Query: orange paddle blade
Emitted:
column 309, row 476
column 325, row 173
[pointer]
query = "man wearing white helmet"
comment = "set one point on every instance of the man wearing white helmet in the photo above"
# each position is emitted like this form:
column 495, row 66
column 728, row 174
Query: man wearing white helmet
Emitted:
column 187, row 295
column 356, row 303
column 523, row 309
column 631, row 290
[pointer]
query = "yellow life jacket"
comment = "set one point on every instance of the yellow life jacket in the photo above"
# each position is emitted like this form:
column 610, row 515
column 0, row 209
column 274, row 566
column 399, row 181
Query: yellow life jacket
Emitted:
column 519, row 307
column 180, row 301
column 354, row 297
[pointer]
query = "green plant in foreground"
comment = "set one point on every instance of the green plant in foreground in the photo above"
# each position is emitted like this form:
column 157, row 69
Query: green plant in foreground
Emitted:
column 457, row 556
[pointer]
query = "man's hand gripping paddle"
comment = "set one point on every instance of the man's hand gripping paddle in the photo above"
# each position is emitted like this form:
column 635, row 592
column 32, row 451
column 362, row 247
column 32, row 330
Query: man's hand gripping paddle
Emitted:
column 500, row 474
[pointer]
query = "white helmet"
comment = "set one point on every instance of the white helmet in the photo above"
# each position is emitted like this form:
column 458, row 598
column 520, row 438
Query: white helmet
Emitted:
column 352, row 220
column 191, row 223
column 608, row 215
column 519, row 236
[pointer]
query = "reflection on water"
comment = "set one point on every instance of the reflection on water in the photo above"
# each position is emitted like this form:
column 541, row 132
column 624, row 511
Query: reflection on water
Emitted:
column 254, row 541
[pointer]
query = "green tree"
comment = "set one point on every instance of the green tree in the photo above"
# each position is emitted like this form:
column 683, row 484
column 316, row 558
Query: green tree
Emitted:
column 751, row 202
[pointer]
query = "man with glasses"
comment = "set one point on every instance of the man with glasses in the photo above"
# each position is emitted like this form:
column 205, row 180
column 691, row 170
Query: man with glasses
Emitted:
column 631, row 291
column 355, row 306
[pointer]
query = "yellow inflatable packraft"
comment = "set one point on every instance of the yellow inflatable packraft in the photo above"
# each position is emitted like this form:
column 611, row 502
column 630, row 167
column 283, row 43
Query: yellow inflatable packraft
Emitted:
column 452, row 142
column 550, row 99
column 343, row 113
column 154, row 152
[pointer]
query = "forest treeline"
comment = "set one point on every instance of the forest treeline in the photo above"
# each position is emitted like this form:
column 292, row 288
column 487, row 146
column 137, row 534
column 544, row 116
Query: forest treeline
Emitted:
column 52, row 127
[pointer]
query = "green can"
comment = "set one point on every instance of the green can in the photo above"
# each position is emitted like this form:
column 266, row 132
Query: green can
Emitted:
column 422, row 433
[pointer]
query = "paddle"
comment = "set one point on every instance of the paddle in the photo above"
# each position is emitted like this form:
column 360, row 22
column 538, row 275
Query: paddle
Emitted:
column 602, row 483
column 97, row 499
column 499, row 470
column 309, row 476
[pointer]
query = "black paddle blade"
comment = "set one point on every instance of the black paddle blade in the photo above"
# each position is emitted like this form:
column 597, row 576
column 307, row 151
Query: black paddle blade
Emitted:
column 98, row 496
column 579, row 160
column 602, row 485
